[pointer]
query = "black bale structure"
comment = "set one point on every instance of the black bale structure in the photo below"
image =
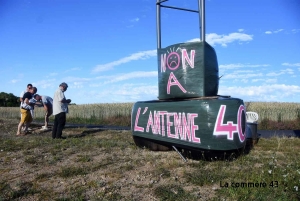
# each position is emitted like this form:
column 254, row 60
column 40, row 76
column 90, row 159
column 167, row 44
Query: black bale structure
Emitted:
column 189, row 114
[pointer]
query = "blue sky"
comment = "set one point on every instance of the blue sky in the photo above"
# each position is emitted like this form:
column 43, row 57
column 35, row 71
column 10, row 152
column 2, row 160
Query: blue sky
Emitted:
column 106, row 50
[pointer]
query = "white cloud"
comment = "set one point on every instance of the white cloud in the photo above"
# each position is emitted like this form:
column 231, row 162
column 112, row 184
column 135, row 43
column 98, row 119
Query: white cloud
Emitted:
column 281, row 72
column 242, row 76
column 14, row 81
column 288, row 71
column 78, row 85
column 274, row 74
column 121, row 77
column 271, row 80
column 132, row 22
column 244, row 71
column 274, row 92
column 77, row 79
column 257, row 80
column 128, row 92
column 211, row 39
column 214, row 39
column 72, row 69
column 288, row 64
column 135, row 19
column 53, row 74
column 132, row 75
column 295, row 30
column 133, row 57
column 271, row 32
column 137, row 90
column 278, row 30
column 239, row 65
column 44, row 84
column 240, row 30
column 241, row 80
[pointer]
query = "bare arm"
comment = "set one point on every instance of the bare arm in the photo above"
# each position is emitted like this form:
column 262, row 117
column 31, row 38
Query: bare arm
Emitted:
column 26, row 101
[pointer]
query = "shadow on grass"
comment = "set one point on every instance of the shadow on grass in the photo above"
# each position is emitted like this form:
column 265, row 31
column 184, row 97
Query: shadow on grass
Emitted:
column 85, row 133
column 213, row 155
column 196, row 154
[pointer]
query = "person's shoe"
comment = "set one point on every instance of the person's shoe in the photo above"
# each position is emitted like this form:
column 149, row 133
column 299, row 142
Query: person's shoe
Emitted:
column 29, row 129
column 62, row 138
column 44, row 128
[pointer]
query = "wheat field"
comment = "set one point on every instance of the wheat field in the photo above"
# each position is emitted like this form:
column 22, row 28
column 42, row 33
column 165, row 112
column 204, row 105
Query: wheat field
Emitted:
column 275, row 111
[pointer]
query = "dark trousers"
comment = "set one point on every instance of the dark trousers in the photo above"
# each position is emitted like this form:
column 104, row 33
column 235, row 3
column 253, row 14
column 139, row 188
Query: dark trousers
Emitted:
column 59, row 124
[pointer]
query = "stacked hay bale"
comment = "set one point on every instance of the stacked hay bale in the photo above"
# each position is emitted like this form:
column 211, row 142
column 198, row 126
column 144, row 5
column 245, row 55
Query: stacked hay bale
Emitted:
column 189, row 113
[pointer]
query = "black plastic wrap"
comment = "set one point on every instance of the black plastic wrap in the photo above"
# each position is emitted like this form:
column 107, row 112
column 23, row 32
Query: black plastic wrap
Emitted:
column 187, row 70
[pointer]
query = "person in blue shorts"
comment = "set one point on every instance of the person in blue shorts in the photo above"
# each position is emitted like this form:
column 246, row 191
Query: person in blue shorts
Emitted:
column 47, row 102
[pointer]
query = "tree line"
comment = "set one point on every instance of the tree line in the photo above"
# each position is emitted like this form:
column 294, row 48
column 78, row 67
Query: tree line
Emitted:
column 9, row 100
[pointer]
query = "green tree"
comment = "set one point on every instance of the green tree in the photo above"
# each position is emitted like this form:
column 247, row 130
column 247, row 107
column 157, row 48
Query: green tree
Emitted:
column 9, row 100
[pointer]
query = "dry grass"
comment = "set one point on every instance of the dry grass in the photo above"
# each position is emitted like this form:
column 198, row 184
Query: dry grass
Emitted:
column 93, row 164
column 270, row 113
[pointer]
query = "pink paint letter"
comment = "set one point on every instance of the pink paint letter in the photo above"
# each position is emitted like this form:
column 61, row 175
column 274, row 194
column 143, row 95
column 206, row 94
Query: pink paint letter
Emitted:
column 194, row 127
column 136, row 127
column 242, row 135
column 163, row 62
column 224, row 129
column 185, row 57
column 175, row 82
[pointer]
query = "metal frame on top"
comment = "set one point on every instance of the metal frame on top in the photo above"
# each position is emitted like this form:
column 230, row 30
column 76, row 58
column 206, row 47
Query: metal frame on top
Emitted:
column 200, row 11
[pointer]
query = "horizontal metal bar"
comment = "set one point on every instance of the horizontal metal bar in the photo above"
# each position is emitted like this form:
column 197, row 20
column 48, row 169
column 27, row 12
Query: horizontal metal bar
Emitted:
column 195, row 11
column 162, row 1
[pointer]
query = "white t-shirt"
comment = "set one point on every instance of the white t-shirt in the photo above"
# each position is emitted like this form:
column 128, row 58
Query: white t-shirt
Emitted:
column 29, row 107
column 58, row 106
column 21, row 96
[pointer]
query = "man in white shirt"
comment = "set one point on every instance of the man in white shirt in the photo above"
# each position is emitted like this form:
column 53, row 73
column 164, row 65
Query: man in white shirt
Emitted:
column 60, row 108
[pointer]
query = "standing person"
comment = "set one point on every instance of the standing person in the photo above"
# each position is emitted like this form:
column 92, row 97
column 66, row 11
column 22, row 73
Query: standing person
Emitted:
column 48, row 106
column 26, row 106
column 29, row 86
column 60, row 108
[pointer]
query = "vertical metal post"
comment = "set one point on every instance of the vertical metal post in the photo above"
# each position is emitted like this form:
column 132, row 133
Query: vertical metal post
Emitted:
column 203, row 19
column 201, row 5
column 158, row 31
column 201, row 9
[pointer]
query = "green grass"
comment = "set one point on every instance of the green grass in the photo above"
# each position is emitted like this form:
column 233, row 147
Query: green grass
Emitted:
column 66, row 172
